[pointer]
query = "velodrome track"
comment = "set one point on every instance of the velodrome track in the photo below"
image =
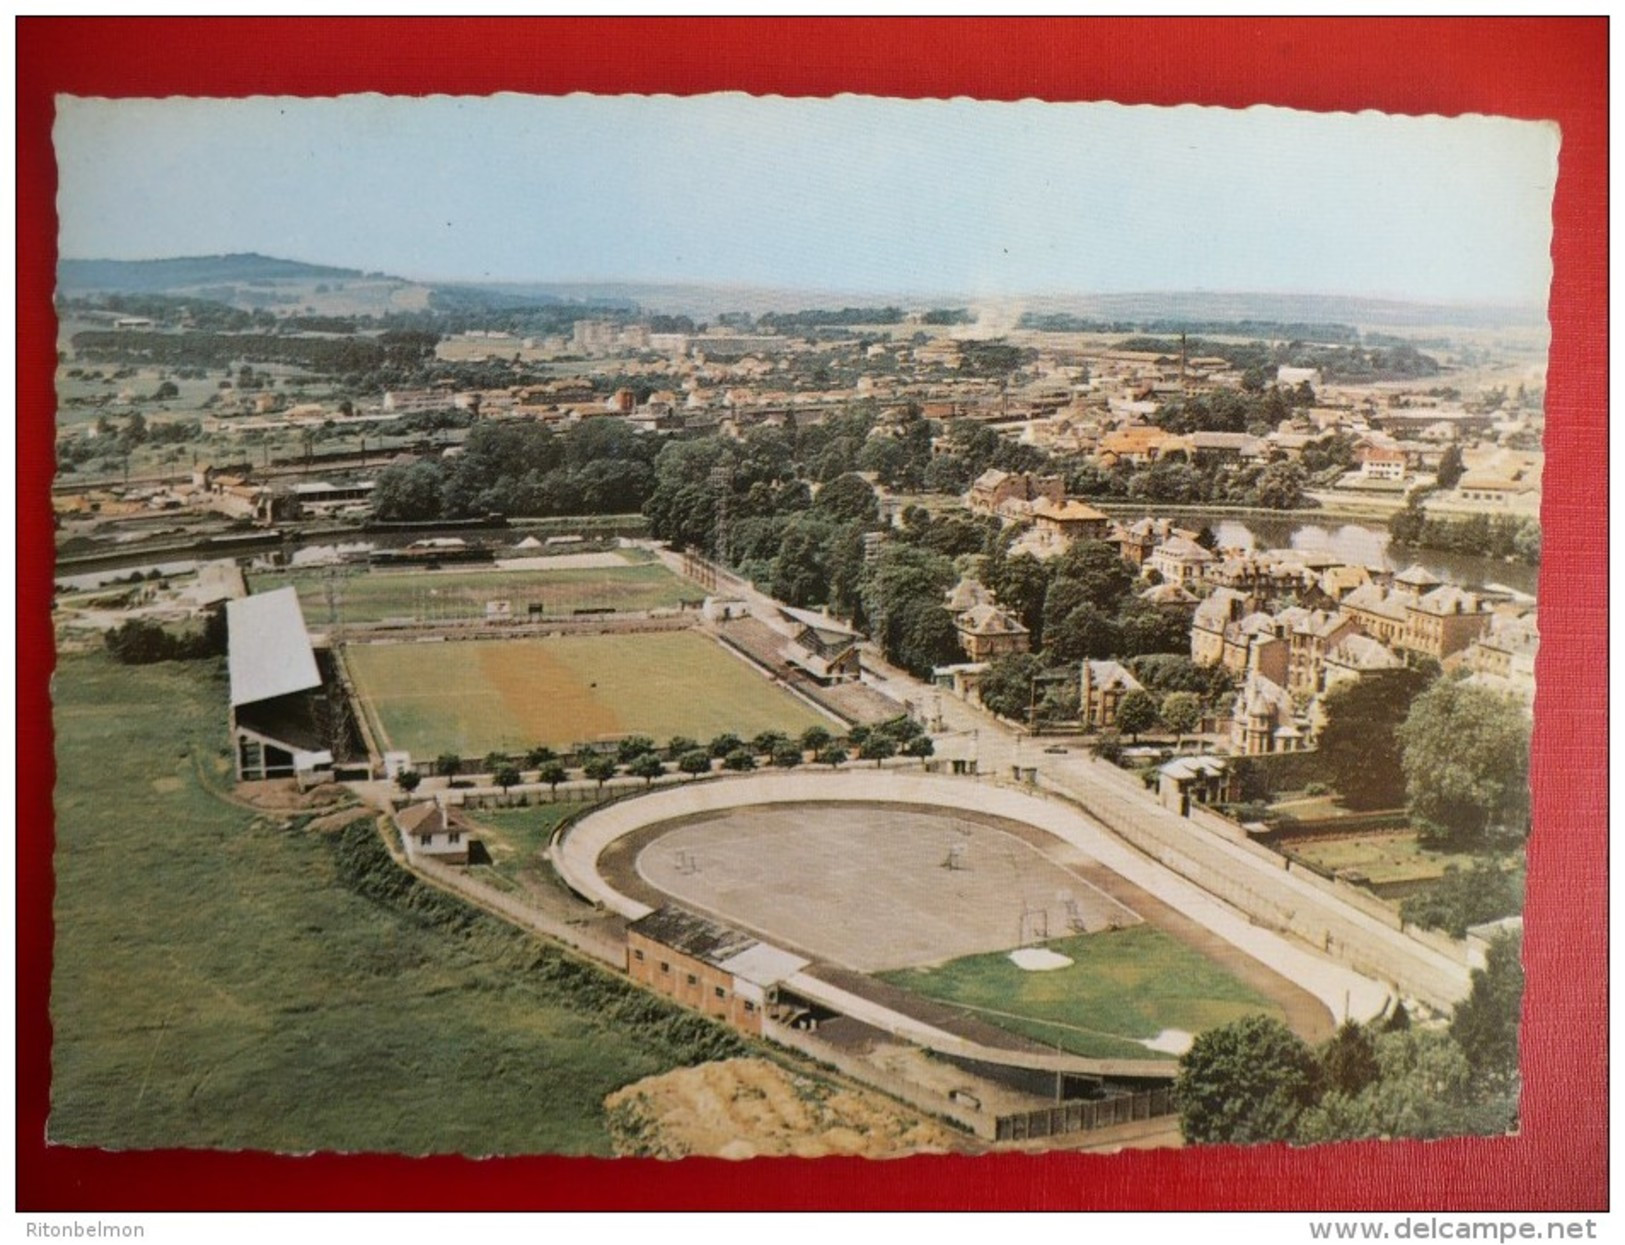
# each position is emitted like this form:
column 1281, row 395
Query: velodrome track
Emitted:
column 575, row 854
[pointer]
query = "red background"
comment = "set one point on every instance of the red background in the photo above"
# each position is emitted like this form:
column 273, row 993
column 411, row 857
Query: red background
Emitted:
column 1533, row 68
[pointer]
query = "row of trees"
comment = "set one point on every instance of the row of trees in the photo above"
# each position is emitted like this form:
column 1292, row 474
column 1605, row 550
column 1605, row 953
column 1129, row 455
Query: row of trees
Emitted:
column 139, row 642
column 1477, row 535
column 1256, row 1081
column 640, row 757
column 522, row 468
column 1174, row 481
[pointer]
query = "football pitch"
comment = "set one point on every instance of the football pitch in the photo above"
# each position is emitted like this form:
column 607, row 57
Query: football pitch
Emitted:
column 475, row 697
column 1125, row 988
column 461, row 595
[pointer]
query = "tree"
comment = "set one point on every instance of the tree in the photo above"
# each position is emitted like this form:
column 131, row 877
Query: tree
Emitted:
column 1424, row 1088
column 1108, row 746
column 137, row 642
column 832, row 755
column 1007, row 686
column 600, row 769
column 739, row 760
column 1466, row 897
column 725, row 743
column 1359, row 745
column 695, row 763
column 1348, row 1059
column 407, row 780
column 768, row 742
column 1451, row 467
column 920, row 746
column 1466, row 763
column 647, row 766
column 493, row 762
column 848, row 497
column 1485, row 1025
column 680, row 745
column 407, row 493
column 1099, row 570
column 1136, row 712
column 1245, row 1082
column 1405, row 526
column 1020, row 583
column 552, row 773
column 877, row 748
column 507, row 777
column 925, row 637
column 814, row 738
column 1180, row 713
column 787, row 755
column 1085, row 633
column 1279, row 487
column 1145, row 629
column 448, row 764
column 539, row 756
column 632, row 747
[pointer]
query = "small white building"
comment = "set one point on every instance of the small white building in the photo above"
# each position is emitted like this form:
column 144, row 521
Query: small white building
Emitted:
column 432, row 831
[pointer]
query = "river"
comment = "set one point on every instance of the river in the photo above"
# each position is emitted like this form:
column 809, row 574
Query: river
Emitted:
column 1364, row 544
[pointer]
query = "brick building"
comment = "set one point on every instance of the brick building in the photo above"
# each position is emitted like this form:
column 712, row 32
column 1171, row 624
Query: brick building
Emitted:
column 722, row 972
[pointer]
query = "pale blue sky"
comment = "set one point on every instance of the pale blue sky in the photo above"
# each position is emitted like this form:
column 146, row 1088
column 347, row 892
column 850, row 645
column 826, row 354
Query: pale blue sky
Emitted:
column 850, row 194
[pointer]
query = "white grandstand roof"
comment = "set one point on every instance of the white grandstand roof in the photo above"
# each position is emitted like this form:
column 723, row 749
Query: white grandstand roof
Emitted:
column 763, row 965
column 269, row 653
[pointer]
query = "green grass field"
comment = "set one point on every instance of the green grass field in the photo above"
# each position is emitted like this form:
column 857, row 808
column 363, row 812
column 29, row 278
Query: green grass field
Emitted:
column 1385, row 858
column 453, row 595
column 1122, row 985
column 475, row 697
column 224, row 981
column 515, row 837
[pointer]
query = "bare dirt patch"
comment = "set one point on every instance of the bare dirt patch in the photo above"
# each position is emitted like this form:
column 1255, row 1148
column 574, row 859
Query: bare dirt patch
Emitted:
column 283, row 794
column 744, row 1108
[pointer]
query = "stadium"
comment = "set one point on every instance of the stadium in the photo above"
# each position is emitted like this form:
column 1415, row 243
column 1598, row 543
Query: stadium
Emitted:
column 975, row 948
column 1001, row 932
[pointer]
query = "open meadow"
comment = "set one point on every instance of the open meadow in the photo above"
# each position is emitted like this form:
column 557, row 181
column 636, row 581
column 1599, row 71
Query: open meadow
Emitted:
column 457, row 594
column 510, row 695
column 225, row 978
column 1123, row 986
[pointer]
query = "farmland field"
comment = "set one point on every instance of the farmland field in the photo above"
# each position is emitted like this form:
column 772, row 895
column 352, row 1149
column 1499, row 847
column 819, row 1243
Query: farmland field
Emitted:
column 1123, row 986
column 475, row 697
column 450, row 595
column 225, row 980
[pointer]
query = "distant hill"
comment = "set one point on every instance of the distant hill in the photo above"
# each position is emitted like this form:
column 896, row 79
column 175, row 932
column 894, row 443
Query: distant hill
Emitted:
column 252, row 280
column 159, row 276
column 1212, row 305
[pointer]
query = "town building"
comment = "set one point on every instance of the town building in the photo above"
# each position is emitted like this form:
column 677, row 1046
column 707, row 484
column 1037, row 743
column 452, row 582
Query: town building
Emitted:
column 1379, row 463
column 1101, row 688
column 822, row 647
column 1069, row 520
column 432, row 831
column 1353, row 657
column 1444, row 621
column 1180, row 560
column 1012, row 492
column 719, row 971
column 1263, row 720
column 986, row 631
column 1185, row 781
column 1139, row 444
